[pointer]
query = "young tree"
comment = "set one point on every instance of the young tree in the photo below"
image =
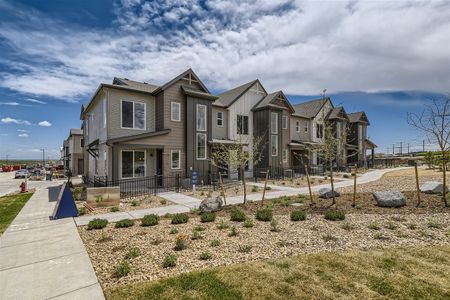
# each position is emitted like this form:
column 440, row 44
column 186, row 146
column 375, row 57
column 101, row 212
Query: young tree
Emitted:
column 434, row 121
column 429, row 159
column 238, row 155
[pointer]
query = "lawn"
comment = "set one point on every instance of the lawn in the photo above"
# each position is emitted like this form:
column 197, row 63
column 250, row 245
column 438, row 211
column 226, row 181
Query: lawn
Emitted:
column 10, row 206
column 396, row 273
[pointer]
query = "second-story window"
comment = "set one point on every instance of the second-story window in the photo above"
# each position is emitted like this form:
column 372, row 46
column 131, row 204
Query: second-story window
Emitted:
column 242, row 124
column 175, row 111
column 319, row 131
column 201, row 117
column 274, row 122
column 201, row 146
column 285, row 122
column 297, row 126
column 306, row 126
column 219, row 119
column 133, row 115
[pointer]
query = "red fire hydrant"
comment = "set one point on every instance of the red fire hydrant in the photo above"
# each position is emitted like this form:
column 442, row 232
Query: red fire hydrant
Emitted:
column 23, row 187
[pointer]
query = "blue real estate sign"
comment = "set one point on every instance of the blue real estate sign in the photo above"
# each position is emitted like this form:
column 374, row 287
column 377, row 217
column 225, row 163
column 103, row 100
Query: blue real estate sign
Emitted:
column 194, row 177
column 65, row 207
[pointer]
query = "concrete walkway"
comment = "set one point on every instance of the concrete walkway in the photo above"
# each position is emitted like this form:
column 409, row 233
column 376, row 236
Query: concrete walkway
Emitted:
column 185, row 203
column 44, row 259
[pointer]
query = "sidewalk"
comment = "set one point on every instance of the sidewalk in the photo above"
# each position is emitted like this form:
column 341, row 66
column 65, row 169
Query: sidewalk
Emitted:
column 44, row 259
column 185, row 203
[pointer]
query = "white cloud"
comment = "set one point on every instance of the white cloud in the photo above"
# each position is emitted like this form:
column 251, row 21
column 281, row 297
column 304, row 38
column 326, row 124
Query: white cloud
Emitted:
column 25, row 135
column 10, row 103
column 35, row 101
column 9, row 120
column 297, row 46
column 45, row 124
column 22, row 130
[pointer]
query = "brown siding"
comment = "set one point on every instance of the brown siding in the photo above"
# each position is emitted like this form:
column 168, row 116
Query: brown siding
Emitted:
column 159, row 111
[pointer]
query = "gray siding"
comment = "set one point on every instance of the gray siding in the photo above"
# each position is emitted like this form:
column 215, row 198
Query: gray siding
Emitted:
column 219, row 132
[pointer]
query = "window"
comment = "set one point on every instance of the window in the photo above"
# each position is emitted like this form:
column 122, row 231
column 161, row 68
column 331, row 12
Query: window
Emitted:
column 274, row 145
column 274, row 122
column 219, row 118
column 201, row 117
column 105, row 165
column 319, row 132
column 297, row 126
column 133, row 164
column 175, row 159
column 104, row 113
column 82, row 143
column 285, row 156
column 306, row 126
column 133, row 115
column 242, row 124
column 201, row 146
column 175, row 111
column 285, row 122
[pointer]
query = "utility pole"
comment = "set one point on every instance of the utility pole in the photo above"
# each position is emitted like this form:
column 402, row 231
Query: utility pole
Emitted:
column 408, row 148
column 393, row 149
column 7, row 156
column 401, row 148
column 423, row 145
column 43, row 157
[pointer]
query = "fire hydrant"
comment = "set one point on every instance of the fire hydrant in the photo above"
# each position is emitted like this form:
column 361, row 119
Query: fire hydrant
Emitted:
column 23, row 187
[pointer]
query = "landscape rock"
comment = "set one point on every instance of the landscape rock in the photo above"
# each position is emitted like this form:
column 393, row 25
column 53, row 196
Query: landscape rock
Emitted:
column 211, row 204
column 390, row 199
column 433, row 187
column 327, row 193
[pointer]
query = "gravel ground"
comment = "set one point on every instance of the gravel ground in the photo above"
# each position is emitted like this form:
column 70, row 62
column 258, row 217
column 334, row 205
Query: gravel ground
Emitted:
column 313, row 235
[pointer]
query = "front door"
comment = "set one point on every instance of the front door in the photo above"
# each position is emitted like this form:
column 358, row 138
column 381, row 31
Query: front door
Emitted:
column 159, row 165
column 80, row 166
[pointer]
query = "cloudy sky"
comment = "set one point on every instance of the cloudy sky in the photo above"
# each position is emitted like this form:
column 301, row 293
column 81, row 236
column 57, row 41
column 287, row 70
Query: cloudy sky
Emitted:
column 384, row 57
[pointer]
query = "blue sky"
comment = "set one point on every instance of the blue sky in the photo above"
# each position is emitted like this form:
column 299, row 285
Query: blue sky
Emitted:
column 386, row 58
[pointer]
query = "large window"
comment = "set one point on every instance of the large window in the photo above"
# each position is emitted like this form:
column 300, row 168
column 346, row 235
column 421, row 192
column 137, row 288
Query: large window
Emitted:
column 201, row 117
column 175, row 111
column 175, row 159
column 242, row 124
column 285, row 155
column 133, row 115
column 319, row 131
column 274, row 122
column 297, row 126
column 133, row 164
column 201, row 146
column 274, row 145
column 285, row 122
column 219, row 119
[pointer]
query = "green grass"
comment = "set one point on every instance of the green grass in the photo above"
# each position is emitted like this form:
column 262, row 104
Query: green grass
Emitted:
column 10, row 206
column 398, row 273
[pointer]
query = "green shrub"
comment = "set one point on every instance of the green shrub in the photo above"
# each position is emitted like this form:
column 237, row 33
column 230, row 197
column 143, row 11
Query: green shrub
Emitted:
column 412, row 226
column 254, row 189
column 264, row 214
column 180, row 218
column 244, row 248
column 285, row 201
column 114, row 209
column 122, row 269
column 205, row 255
column 268, row 188
column 170, row 261
column 215, row 243
column 150, row 220
column 124, row 223
column 274, row 225
column 173, row 230
column 82, row 211
column 391, row 226
column 180, row 242
column 202, row 193
column 248, row 223
column 133, row 253
column 196, row 235
column 434, row 225
column 76, row 191
column 334, row 215
column 97, row 224
column 347, row 226
column 373, row 226
column 233, row 231
column 237, row 215
column 207, row 217
column 329, row 238
column 199, row 228
column 194, row 211
column 222, row 225
column 346, row 176
column 298, row 215
column 135, row 203
column 163, row 201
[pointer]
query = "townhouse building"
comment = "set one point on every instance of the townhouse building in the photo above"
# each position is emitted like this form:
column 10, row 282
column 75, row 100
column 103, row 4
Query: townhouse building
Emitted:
column 72, row 151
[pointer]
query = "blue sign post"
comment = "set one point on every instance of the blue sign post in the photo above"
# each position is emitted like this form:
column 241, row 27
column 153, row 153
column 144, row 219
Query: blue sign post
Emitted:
column 194, row 179
column 65, row 207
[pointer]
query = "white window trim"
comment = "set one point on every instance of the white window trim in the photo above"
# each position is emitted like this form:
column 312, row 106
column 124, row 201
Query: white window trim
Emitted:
column 274, row 130
column 217, row 118
column 271, row 137
column 206, row 117
column 104, row 112
column 285, row 155
column 179, row 111
column 285, row 123
column 171, row 159
column 145, row 115
column 120, row 163
column 196, row 146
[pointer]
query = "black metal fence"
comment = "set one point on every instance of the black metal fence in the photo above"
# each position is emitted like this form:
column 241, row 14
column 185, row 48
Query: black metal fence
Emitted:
column 294, row 171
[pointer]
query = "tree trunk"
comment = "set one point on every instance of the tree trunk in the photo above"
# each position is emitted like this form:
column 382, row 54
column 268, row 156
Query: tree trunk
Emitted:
column 444, row 175
column 332, row 183
column 243, row 182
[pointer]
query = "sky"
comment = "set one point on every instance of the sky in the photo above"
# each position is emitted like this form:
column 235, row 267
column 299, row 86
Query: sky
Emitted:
column 384, row 57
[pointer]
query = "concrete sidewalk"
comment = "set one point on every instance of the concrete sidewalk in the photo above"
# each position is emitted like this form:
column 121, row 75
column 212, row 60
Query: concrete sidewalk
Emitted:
column 44, row 259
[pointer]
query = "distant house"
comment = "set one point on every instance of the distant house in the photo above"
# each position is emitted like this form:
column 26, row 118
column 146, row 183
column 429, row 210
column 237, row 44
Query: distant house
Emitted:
column 73, row 152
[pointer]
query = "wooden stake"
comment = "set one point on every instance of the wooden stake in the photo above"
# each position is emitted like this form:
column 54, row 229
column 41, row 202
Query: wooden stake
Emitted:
column 309, row 184
column 354, row 186
column 221, row 188
column 265, row 185
column 417, row 184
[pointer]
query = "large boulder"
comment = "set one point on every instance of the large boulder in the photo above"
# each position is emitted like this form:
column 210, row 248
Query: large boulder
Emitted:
column 211, row 204
column 390, row 199
column 327, row 193
column 433, row 187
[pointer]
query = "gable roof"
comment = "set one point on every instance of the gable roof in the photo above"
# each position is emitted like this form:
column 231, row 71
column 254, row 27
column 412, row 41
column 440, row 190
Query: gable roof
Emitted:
column 142, row 86
column 337, row 113
column 267, row 101
column 311, row 108
column 189, row 72
column 229, row 97
column 75, row 131
column 358, row 117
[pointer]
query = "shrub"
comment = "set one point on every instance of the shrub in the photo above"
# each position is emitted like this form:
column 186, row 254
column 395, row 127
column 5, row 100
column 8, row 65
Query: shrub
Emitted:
column 254, row 189
column 180, row 243
column 237, row 215
column 391, row 226
column 199, row 228
column 150, row 220
column 412, row 226
column 215, row 243
column 334, row 215
column 347, row 226
column 179, row 218
column 196, row 235
column 222, row 225
column 380, row 236
column 233, row 231
column 209, row 194
column 373, row 226
column 122, row 269
column 285, row 201
column 135, row 203
column 114, row 209
column 202, row 193
column 173, row 230
column 124, row 223
column 248, row 223
column 207, row 217
column 163, row 201
column 244, row 248
column 97, row 224
column 268, row 188
column 104, row 238
column 133, row 253
column 346, row 176
column 298, row 215
column 170, row 261
column 329, row 238
column 194, row 211
column 81, row 211
column 205, row 255
column 264, row 214
column 434, row 225
column 274, row 225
